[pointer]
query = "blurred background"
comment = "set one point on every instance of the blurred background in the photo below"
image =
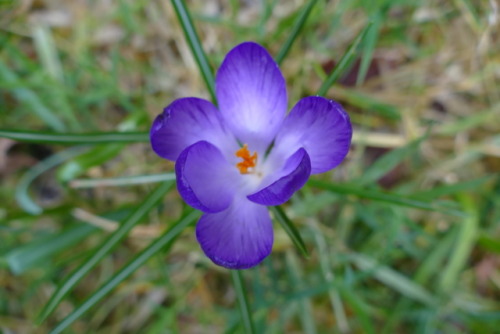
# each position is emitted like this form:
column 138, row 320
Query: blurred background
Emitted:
column 402, row 237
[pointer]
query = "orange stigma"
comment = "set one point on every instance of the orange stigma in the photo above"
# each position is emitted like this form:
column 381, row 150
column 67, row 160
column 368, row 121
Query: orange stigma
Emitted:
column 249, row 161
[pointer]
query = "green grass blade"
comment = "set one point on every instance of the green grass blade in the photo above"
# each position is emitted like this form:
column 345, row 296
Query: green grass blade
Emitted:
column 432, row 265
column 72, row 138
column 47, row 52
column 22, row 189
column 49, row 57
column 345, row 62
column 367, row 102
column 393, row 279
column 241, row 294
column 30, row 99
column 306, row 310
column 470, row 13
column 96, row 156
column 194, row 43
column 389, row 161
column 160, row 244
column 326, row 270
column 122, row 181
column 359, row 310
column 452, row 189
column 114, row 239
column 368, row 47
column 472, row 121
column 489, row 243
column 266, row 11
column 297, row 27
column 290, row 229
column 37, row 252
column 462, row 249
column 380, row 196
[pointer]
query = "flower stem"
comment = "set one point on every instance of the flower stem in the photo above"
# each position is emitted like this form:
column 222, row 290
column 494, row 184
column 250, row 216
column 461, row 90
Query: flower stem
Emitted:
column 285, row 222
column 241, row 294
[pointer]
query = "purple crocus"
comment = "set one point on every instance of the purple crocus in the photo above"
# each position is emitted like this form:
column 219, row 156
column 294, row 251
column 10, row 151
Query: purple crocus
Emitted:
column 233, row 161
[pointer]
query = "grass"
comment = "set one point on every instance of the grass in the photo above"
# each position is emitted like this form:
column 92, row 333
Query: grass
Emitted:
column 402, row 237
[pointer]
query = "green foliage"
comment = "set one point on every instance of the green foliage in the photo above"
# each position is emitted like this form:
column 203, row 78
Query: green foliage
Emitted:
column 112, row 242
column 290, row 229
column 345, row 61
column 22, row 188
column 162, row 243
column 38, row 252
column 71, row 138
column 195, row 44
column 246, row 314
column 297, row 27
column 402, row 237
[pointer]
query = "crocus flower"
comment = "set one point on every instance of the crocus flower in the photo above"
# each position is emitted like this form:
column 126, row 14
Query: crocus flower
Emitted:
column 233, row 161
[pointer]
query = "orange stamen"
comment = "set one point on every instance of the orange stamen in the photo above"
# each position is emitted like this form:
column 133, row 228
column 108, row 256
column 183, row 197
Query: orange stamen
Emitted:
column 249, row 161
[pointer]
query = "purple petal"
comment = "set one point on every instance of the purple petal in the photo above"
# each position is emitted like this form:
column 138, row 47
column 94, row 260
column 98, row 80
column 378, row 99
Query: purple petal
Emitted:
column 252, row 94
column 294, row 175
column 185, row 122
column 205, row 180
column 321, row 127
column 237, row 238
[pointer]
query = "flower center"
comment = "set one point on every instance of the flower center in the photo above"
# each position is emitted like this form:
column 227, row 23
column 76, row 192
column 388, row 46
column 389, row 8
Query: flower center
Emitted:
column 249, row 161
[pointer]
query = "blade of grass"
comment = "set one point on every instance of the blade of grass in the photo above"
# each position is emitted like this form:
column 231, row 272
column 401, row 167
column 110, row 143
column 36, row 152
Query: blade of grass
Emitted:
column 121, row 181
column 114, row 239
column 345, row 62
column 432, row 265
column 430, row 268
column 368, row 47
column 162, row 243
column 305, row 307
column 470, row 13
column 329, row 277
column 477, row 119
column 358, row 308
column 393, row 279
column 96, row 156
column 383, row 197
column 72, row 138
column 194, row 43
column 47, row 52
column 464, row 243
column 365, row 101
column 22, row 189
column 266, row 10
column 37, row 252
column 32, row 100
column 318, row 289
column 297, row 27
column 290, row 229
column 241, row 294
column 452, row 189
column 488, row 242
column 310, row 292
column 388, row 161
column 258, row 291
